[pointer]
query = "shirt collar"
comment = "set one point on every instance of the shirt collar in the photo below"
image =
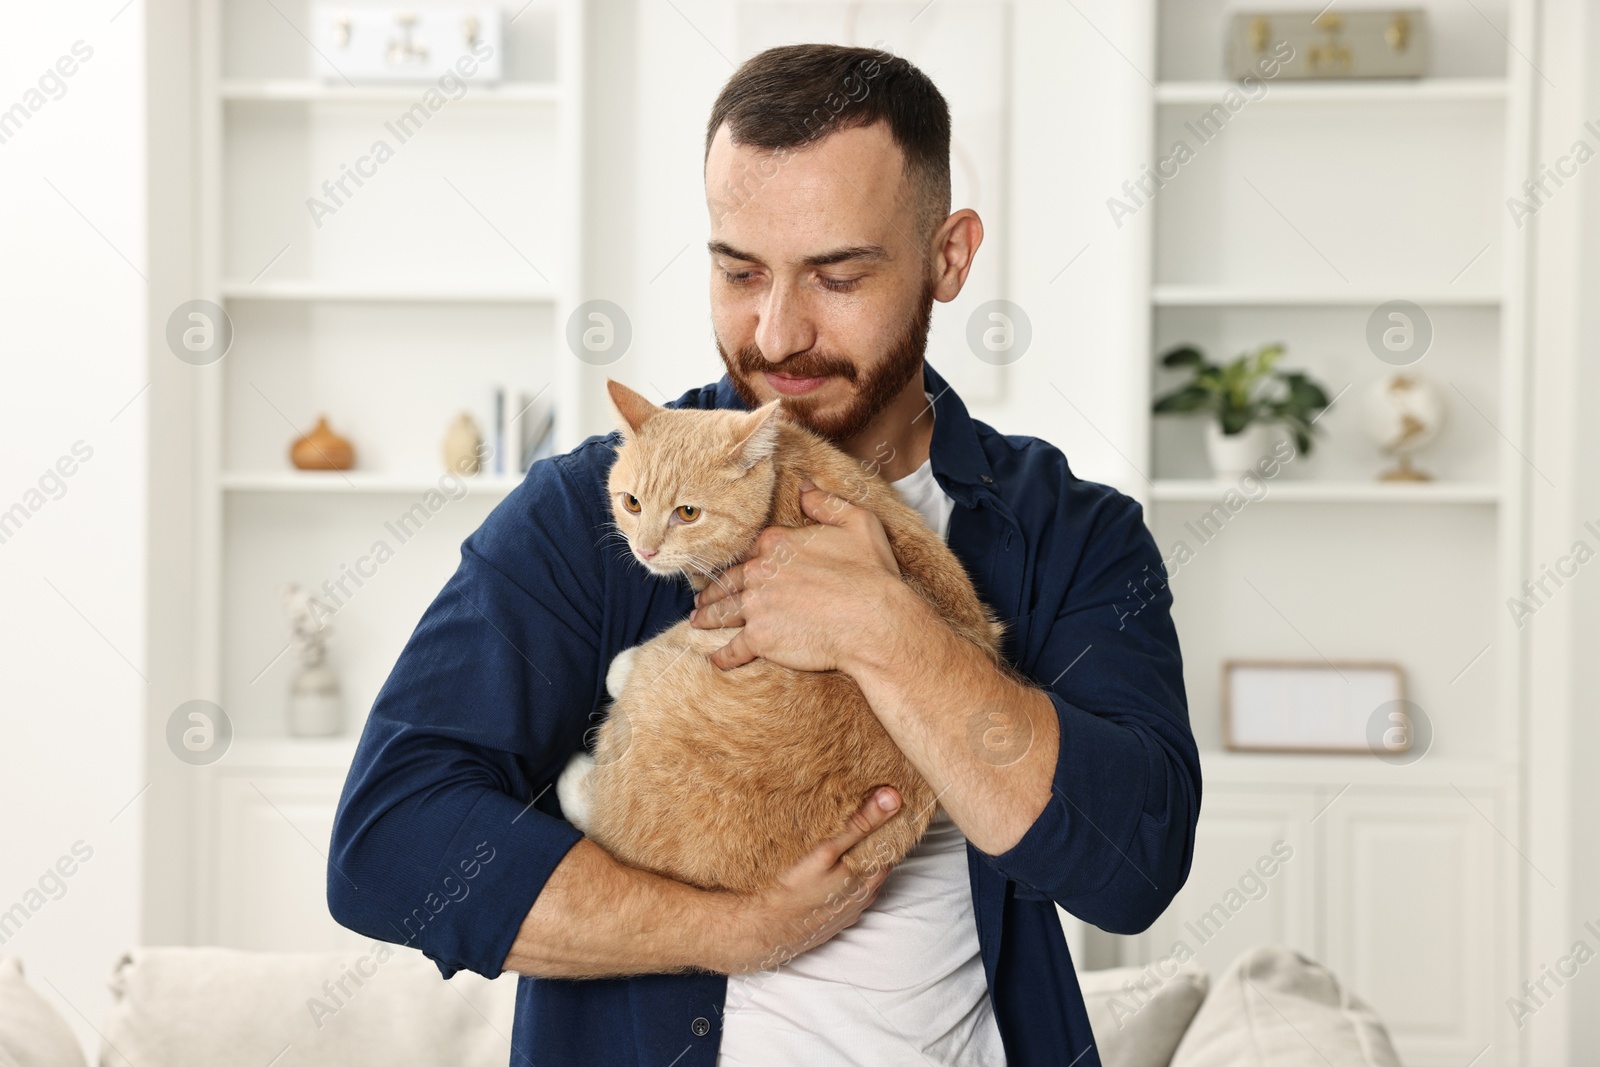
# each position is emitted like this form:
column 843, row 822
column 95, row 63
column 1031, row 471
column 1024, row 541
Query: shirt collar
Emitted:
column 959, row 462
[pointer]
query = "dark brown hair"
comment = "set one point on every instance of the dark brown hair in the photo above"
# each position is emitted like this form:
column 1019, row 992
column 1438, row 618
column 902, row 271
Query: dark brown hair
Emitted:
column 789, row 97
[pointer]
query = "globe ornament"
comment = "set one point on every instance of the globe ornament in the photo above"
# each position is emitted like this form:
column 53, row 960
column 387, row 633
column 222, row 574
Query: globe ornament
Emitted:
column 1403, row 413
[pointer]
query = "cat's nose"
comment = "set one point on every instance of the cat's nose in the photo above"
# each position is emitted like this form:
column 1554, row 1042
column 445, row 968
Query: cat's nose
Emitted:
column 648, row 553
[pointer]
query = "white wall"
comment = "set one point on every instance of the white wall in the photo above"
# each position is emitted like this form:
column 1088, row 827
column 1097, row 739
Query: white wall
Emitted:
column 1585, row 795
column 72, row 579
column 1584, row 1011
column 1562, row 734
column 170, row 136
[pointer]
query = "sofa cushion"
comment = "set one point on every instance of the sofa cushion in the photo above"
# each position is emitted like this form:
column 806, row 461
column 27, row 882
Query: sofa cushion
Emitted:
column 1139, row 1014
column 1274, row 1006
column 198, row 1007
column 32, row 1033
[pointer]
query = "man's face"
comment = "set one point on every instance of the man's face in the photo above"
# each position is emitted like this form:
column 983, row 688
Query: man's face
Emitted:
column 821, row 288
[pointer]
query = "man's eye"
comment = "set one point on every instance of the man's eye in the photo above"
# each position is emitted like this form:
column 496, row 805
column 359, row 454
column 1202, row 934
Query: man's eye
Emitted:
column 737, row 277
column 631, row 502
column 840, row 285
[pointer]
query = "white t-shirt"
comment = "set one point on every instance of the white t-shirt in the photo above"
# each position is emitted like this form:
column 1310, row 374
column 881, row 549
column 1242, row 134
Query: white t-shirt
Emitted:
column 905, row 984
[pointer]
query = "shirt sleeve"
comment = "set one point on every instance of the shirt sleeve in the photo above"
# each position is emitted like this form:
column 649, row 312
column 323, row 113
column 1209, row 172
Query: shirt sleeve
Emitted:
column 448, row 826
column 1114, row 843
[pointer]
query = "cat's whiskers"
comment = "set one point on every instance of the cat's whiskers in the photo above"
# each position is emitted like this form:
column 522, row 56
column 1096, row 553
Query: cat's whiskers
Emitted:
column 624, row 553
column 706, row 569
column 692, row 564
column 611, row 529
column 624, row 547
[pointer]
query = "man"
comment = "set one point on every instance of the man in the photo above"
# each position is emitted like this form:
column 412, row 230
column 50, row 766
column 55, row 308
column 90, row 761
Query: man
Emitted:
column 827, row 175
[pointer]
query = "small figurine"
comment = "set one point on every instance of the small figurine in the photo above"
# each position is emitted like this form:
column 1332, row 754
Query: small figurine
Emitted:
column 314, row 704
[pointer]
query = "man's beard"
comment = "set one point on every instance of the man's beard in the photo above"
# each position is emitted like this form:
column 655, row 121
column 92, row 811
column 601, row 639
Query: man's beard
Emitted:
column 873, row 390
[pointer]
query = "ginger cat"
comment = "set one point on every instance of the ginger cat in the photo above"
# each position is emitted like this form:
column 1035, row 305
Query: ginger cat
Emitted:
column 728, row 778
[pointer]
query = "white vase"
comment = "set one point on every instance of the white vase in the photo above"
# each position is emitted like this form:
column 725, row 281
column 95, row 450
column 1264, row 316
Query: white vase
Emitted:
column 1234, row 454
column 314, row 703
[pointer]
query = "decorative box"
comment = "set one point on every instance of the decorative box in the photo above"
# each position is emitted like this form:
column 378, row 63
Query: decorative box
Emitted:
column 1334, row 44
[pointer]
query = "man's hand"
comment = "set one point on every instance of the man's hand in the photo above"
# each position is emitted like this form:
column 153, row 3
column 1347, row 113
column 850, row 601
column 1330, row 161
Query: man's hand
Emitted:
column 816, row 899
column 807, row 594
column 829, row 597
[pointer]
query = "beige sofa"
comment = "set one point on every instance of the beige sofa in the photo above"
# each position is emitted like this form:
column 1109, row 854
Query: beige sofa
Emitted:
column 200, row 1007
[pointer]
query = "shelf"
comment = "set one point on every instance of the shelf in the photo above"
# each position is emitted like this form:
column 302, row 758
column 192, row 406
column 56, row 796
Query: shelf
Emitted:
column 377, row 293
column 303, row 91
column 1242, row 296
column 358, row 482
column 1387, row 91
column 1308, row 492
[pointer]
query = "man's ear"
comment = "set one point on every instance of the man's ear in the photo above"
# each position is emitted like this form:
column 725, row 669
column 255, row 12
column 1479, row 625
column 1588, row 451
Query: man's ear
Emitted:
column 757, row 436
column 633, row 410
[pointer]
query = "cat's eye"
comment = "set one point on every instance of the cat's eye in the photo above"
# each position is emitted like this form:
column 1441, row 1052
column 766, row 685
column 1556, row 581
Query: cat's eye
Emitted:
column 688, row 512
column 631, row 502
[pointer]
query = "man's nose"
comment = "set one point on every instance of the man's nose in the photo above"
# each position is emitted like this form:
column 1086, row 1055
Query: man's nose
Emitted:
column 785, row 326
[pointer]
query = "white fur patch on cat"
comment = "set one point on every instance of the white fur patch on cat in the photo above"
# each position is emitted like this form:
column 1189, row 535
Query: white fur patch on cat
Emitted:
column 572, row 789
column 617, row 675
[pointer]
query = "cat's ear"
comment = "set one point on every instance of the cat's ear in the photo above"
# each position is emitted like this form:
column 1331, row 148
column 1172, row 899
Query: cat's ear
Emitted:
column 633, row 410
column 757, row 436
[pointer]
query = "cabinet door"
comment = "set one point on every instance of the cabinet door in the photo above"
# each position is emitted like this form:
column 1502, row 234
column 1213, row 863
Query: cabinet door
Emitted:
column 1410, row 917
column 1251, row 883
column 269, row 852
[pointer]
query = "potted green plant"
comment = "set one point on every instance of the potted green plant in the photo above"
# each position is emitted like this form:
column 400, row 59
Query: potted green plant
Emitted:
column 1246, row 398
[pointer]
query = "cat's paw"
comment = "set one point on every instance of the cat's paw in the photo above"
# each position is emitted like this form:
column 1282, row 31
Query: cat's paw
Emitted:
column 617, row 675
column 572, row 789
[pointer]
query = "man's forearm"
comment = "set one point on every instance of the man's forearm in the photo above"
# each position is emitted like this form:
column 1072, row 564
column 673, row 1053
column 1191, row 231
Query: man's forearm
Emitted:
column 596, row 917
column 988, row 742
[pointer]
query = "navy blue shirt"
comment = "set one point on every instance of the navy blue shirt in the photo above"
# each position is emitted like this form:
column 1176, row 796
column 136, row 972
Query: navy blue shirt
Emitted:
column 448, row 826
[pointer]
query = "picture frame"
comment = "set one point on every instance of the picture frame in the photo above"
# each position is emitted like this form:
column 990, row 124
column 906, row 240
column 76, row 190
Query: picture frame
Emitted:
column 1314, row 707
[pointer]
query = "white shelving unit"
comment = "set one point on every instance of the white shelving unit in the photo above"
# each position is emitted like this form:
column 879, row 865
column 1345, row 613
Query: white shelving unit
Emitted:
column 388, row 324
column 389, row 305
column 1314, row 204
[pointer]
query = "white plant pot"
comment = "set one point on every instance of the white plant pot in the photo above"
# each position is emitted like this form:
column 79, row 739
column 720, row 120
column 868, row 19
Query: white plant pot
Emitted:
column 1232, row 455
